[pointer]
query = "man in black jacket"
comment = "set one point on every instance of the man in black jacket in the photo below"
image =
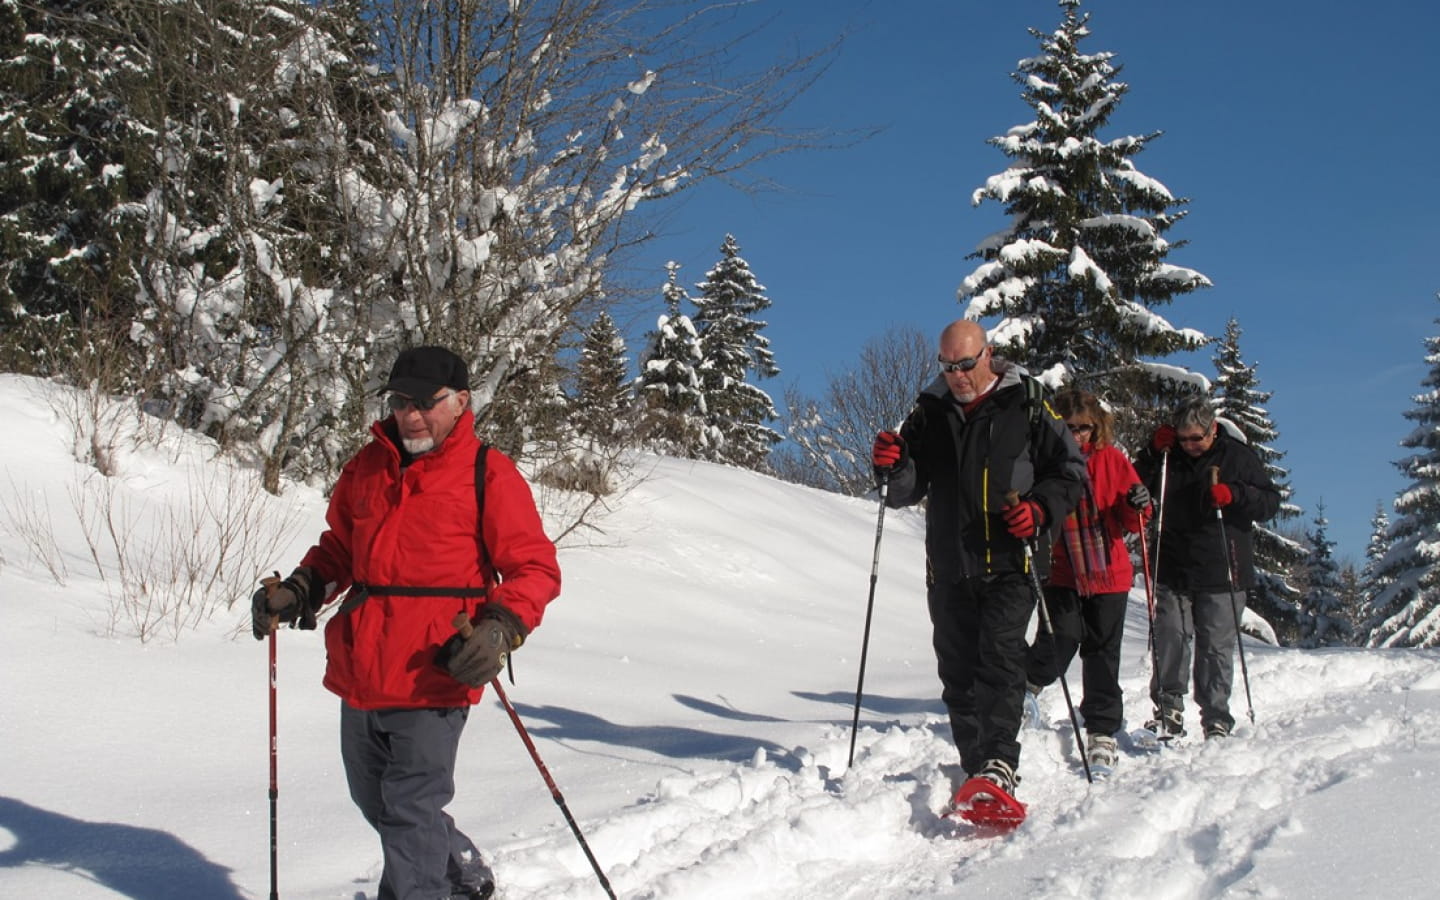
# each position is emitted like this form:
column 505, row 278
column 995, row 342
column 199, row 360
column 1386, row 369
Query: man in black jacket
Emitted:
column 970, row 441
column 1196, row 570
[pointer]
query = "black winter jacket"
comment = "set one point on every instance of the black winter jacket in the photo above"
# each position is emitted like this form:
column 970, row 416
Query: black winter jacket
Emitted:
column 1190, row 532
column 966, row 465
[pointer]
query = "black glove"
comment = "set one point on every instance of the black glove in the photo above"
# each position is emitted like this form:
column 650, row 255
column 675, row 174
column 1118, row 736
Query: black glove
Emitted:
column 1138, row 497
column 478, row 651
column 291, row 600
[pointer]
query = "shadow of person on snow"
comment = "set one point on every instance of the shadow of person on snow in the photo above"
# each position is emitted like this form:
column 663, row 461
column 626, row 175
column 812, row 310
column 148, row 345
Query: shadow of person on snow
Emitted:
column 139, row 863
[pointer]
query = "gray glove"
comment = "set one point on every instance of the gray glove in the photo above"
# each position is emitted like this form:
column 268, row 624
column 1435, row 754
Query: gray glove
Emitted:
column 291, row 600
column 478, row 651
column 1138, row 497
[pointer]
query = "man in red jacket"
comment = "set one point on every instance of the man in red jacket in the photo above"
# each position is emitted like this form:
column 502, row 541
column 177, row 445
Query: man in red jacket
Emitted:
column 408, row 548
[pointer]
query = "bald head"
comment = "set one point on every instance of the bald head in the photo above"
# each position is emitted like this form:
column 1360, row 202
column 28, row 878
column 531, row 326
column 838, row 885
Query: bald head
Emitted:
column 965, row 360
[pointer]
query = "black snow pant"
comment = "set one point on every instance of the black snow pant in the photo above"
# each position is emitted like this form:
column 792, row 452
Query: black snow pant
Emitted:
column 979, row 643
column 1207, row 619
column 400, row 765
column 1095, row 626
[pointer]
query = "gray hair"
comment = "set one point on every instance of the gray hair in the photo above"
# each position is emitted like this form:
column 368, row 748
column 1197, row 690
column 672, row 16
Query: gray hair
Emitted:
column 1195, row 412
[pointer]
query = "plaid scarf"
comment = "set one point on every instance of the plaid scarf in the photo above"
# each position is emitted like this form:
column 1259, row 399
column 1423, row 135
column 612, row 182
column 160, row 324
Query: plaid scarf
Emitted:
column 1087, row 545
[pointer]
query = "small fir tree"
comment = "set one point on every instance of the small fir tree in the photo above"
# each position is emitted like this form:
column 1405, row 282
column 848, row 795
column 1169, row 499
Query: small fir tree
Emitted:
column 1373, row 580
column 732, row 349
column 1239, row 399
column 1412, row 564
column 1323, row 619
column 603, row 399
column 668, row 386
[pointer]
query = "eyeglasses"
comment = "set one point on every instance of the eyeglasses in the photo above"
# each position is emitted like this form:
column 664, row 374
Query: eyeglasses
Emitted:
column 961, row 365
column 400, row 402
column 1080, row 429
column 1200, row 438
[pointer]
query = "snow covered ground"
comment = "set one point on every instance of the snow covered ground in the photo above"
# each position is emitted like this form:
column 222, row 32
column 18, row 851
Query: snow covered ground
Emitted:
column 690, row 692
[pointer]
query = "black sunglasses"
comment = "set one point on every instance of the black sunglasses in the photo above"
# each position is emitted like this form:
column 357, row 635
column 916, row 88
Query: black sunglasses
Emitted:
column 1077, row 429
column 400, row 402
column 961, row 365
column 1193, row 438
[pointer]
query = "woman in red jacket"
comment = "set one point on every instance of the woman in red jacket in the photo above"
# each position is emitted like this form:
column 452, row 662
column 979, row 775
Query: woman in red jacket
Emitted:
column 1090, row 577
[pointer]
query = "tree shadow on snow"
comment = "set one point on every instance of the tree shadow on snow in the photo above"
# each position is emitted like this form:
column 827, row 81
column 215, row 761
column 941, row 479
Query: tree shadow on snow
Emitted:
column 667, row 740
column 139, row 863
column 890, row 706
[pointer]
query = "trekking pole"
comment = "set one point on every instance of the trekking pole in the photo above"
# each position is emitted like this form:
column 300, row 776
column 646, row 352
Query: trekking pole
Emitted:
column 1012, row 498
column 1159, row 535
column 463, row 625
column 1234, row 590
column 270, row 583
column 869, row 610
column 274, row 781
column 1149, row 595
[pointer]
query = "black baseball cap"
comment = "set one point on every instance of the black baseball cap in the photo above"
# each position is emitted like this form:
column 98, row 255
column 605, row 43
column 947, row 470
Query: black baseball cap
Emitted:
column 422, row 371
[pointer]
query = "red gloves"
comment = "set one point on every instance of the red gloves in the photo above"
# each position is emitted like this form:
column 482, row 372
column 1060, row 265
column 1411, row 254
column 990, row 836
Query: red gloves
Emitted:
column 1163, row 439
column 889, row 450
column 1024, row 519
column 1220, row 495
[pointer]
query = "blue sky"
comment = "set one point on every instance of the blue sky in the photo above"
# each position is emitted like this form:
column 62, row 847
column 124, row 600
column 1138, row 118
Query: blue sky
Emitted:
column 1303, row 134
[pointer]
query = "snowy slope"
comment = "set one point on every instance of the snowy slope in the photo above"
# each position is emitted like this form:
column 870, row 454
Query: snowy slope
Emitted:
column 691, row 694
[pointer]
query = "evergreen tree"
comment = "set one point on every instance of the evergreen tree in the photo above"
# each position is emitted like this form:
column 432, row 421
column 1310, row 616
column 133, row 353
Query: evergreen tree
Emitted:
column 732, row 348
column 1410, row 602
column 1243, row 404
column 75, row 165
column 603, row 400
column 668, row 386
column 1324, row 622
column 1372, row 579
column 1075, row 276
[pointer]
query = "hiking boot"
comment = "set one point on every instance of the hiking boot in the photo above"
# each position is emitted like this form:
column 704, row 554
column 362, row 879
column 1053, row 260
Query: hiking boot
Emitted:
column 1168, row 723
column 479, row 892
column 1101, row 750
column 1001, row 774
column 472, row 878
column 1216, row 729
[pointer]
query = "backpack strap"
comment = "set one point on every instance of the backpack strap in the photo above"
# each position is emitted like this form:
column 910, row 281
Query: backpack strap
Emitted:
column 480, row 460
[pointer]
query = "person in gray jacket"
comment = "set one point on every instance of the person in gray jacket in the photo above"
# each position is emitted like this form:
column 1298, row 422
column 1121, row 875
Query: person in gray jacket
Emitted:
column 979, row 436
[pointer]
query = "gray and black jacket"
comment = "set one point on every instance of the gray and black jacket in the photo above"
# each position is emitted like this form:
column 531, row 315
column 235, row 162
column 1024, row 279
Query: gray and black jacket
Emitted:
column 965, row 465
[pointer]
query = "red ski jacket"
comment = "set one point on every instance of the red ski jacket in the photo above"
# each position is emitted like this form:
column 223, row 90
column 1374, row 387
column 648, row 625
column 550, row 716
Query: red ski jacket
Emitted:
column 418, row 529
column 1111, row 476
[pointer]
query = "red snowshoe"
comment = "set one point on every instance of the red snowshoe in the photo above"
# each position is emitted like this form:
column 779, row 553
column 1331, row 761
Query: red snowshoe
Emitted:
column 982, row 802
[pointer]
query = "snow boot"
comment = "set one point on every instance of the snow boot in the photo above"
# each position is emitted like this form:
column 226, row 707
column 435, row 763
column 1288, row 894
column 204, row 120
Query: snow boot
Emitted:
column 1216, row 729
column 1167, row 724
column 1102, row 752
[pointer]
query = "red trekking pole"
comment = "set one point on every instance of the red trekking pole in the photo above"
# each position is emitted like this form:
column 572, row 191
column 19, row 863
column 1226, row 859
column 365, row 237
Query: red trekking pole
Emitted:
column 274, row 781
column 465, row 628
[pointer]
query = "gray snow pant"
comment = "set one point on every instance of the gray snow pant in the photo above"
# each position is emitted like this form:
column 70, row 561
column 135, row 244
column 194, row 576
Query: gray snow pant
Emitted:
column 400, row 764
column 1209, row 621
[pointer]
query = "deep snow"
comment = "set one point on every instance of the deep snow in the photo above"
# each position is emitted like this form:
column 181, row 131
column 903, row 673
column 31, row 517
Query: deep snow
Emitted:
column 690, row 692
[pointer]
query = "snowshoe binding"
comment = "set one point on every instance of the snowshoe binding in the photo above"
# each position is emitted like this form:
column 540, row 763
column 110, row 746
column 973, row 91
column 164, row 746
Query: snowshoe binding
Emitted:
column 987, row 799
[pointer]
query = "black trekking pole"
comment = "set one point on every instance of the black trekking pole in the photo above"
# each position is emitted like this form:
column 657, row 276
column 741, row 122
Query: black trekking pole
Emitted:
column 869, row 610
column 1234, row 590
column 1013, row 498
column 463, row 625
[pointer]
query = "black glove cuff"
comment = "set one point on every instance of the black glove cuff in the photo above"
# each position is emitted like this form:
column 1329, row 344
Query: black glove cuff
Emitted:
column 508, row 620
